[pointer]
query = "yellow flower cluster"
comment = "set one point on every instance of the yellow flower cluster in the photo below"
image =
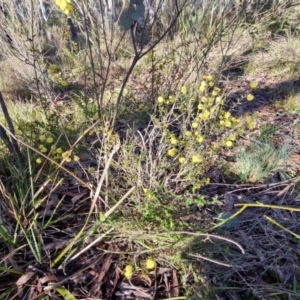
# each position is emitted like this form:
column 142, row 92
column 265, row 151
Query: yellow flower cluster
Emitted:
column 65, row 5
column 44, row 148
column 253, row 85
column 161, row 100
column 208, row 82
column 204, row 117
column 207, row 107
column 250, row 122
column 227, row 120
column 57, row 153
column 196, row 159
column 229, row 142
column 129, row 270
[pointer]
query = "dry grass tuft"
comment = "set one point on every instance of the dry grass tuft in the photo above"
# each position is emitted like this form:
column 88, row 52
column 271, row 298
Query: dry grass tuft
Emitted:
column 16, row 78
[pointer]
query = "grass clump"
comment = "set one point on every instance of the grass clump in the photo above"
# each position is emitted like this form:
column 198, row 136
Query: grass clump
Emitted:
column 262, row 160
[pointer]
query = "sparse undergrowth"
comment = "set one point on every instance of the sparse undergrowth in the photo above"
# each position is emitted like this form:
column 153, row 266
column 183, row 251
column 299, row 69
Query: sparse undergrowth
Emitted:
column 190, row 194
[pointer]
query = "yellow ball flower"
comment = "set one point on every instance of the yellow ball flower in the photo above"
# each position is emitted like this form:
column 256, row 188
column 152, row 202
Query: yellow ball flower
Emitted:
column 232, row 137
column 254, row 85
column 49, row 140
column 181, row 159
column 128, row 272
column 39, row 160
column 172, row 152
column 188, row 133
column 58, row 150
column 196, row 159
column 42, row 138
column 183, row 90
column 211, row 101
column 64, row 154
column 219, row 100
column 174, row 141
column 229, row 144
column 76, row 158
column 199, row 139
column 150, row 263
column 205, row 115
column 216, row 91
column 227, row 115
column 160, row 99
column 202, row 88
column 195, row 124
column 250, row 97
column 203, row 83
column 227, row 124
column 252, row 125
column 44, row 150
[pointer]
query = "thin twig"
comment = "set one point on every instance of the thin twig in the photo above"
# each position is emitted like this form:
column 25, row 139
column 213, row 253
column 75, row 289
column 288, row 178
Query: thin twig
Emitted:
column 92, row 244
column 209, row 259
column 139, row 55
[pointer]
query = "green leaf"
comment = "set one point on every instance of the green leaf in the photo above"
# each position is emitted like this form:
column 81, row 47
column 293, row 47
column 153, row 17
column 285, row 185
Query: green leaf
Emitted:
column 65, row 293
column 5, row 235
column 11, row 271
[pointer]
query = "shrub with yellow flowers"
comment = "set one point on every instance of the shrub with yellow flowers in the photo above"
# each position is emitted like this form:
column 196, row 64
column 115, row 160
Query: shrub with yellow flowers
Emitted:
column 47, row 147
column 196, row 125
column 59, row 76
